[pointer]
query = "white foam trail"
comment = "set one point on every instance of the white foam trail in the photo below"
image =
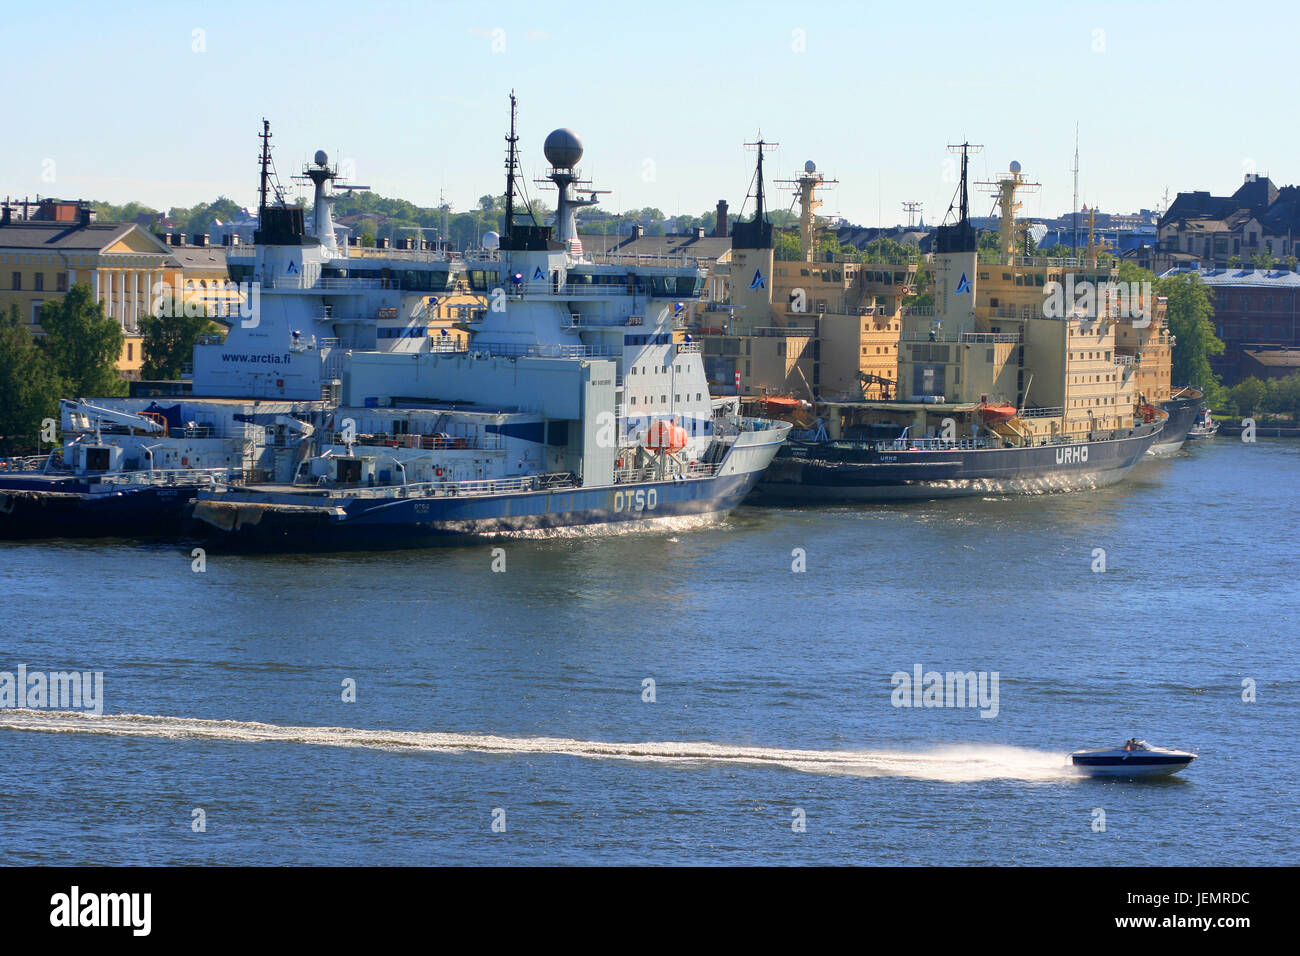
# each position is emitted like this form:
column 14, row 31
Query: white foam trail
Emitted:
column 965, row 763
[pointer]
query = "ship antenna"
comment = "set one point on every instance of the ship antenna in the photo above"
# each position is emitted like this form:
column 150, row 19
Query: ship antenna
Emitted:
column 265, row 166
column 511, row 140
column 761, row 146
column 963, row 197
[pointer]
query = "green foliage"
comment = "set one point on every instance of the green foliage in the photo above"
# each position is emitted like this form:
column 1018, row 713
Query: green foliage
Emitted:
column 889, row 250
column 785, row 245
column 1282, row 396
column 1263, row 260
column 83, row 344
column 169, row 343
column 1190, row 310
column 1058, row 251
column 197, row 219
column 29, row 387
column 107, row 212
column 1132, row 272
column 989, row 247
column 1248, row 396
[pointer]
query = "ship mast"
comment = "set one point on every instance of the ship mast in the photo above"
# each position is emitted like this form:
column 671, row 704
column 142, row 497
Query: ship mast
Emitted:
column 265, row 167
column 511, row 162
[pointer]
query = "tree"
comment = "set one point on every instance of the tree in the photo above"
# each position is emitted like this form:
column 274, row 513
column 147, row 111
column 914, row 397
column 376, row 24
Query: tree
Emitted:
column 29, row 388
column 1248, row 396
column 1190, row 309
column 83, row 344
column 785, row 246
column 169, row 343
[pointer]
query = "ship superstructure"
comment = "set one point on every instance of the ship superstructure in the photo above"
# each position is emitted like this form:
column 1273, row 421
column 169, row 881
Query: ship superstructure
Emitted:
column 1022, row 395
column 578, row 399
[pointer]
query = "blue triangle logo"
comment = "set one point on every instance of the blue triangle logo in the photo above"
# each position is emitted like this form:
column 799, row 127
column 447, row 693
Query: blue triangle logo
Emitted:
column 539, row 274
column 292, row 268
column 963, row 285
column 759, row 281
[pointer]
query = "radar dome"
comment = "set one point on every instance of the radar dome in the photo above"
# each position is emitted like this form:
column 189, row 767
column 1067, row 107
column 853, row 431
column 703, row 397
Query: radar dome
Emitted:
column 491, row 240
column 1015, row 166
column 322, row 157
column 563, row 149
column 810, row 167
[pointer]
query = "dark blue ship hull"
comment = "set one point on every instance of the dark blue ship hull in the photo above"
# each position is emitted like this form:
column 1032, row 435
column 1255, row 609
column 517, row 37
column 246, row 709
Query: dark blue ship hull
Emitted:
column 303, row 521
column 1182, row 415
column 54, row 506
column 854, row 471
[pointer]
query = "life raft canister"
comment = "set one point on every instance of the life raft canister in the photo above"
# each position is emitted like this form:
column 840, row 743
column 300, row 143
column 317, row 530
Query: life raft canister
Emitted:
column 665, row 436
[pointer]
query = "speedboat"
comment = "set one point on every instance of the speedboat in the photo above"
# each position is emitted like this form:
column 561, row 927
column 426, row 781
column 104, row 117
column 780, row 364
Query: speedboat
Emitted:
column 1135, row 758
column 1204, row 426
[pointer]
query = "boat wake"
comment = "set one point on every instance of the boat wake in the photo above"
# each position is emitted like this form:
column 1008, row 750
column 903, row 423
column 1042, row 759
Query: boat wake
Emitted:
column 966, row 763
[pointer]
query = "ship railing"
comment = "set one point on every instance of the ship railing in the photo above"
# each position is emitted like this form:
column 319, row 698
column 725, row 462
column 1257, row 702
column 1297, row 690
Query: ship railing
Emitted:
column 633, row 259
column 456, row 489
column 405, row 255
column 1046, row 412
column 776, row 331
column 576, row 320
column 694, row 468
column 169, row 476
column 918, row 310
column 1065, row 263
column 685, row 348
column 970, row 338
column 296, row 282
column 1125, row 360
column 511, row 350
column 934, row 444
column 23, row 463
column 433, row 442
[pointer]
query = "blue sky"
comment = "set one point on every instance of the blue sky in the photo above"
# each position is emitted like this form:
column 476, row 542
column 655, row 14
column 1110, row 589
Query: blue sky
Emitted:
column 121, row 103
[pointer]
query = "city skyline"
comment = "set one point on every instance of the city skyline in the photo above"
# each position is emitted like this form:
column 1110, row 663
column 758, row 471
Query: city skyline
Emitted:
column 172, row 119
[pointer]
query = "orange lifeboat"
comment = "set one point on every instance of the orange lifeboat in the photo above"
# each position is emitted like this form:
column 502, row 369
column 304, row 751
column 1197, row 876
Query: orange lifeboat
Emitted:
column 780, row 403
column 664, row 436
column 998, row 412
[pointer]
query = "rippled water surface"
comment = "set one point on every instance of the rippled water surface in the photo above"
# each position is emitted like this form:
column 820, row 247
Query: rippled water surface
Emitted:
column 523, row 692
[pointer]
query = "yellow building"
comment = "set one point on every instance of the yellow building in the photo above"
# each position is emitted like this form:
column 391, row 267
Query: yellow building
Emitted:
column 61, row 245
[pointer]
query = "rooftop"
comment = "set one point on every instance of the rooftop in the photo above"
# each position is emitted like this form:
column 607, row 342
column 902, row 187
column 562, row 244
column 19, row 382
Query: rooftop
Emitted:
column 66, row 236
column 1270, row 278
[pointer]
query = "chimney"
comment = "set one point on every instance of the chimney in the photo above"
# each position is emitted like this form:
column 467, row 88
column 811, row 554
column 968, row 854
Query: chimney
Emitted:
column 83, row 214
column 4, row 215
column 201, row 238
column 699, row 232
column 167, row 239
column 227, row 239
column 721, row 228
column 638, row 231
